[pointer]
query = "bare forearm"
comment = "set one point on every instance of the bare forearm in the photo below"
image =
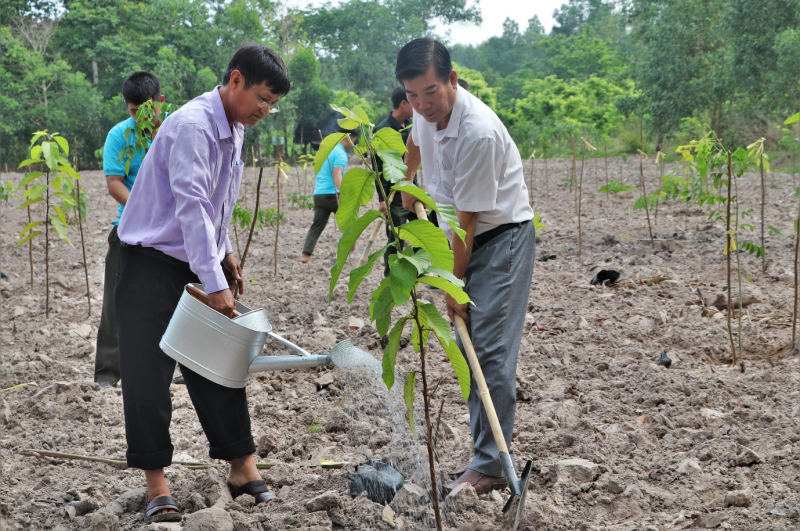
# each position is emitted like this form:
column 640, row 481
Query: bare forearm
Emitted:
column 412, row 159
column 118, row 191
column 462, row 250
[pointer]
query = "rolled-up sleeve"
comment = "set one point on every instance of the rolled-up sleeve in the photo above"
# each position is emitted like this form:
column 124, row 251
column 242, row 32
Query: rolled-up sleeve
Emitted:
column 191, row 183
column 475, row 176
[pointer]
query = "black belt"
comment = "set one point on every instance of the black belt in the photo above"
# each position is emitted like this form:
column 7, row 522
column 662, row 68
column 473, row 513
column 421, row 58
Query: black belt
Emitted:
column 158, row 255
column 485, row 237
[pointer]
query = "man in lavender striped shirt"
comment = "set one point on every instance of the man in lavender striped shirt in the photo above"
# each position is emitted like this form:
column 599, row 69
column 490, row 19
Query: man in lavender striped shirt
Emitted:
column 175, row 231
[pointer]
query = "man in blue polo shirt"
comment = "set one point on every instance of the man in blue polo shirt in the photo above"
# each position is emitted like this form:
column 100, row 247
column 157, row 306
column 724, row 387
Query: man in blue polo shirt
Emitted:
column 137, row 88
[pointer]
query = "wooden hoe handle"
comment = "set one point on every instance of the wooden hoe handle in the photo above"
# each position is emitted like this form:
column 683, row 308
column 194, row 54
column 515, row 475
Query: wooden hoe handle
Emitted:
column 480, row 381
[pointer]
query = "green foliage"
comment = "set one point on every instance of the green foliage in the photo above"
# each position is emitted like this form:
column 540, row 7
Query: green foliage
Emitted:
column 477, row 85
column 50, row 150
column 315, row 428
column 615, row 186
column 431, row 263
column 267, row 217
column 309, row 94
column 301, row 201
column 538, row 224
column 147, row 121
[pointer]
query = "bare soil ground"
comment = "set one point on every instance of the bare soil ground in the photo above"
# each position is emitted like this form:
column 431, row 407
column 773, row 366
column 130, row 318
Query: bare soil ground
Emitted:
column 618, row 442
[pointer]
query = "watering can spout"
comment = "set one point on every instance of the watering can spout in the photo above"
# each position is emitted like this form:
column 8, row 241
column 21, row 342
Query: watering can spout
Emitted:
column 282, row 363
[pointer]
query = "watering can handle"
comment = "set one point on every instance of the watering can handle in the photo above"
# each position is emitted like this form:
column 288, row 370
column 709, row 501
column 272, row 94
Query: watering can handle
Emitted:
column 201, row 295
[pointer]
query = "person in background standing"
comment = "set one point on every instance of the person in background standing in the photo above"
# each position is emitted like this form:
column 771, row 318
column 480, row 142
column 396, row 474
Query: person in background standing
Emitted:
column 137, row 88
column 326, row 190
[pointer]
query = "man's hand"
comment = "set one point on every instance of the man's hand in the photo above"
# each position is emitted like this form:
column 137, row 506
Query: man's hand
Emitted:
column 408, row 201
column 382, row 207
column 223, row 302
column 233, row 273
column 454, row 307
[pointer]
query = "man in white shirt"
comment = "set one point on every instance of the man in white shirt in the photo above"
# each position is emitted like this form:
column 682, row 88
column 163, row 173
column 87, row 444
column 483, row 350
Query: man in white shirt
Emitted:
column 472, row 163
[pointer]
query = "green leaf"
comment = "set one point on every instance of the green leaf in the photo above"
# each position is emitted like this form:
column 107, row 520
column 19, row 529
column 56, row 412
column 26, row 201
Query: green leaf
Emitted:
column 439, row 272
column 36, row 136
column 792, row 119
column 448, row 215
column 348, row 123
column 380, row 310
column 436, row 322
column 460, row 366
column 361, row 116
column 60, row 227
column 346, row 243
column 358, row 274
column 408, row 397
column 325, row 148
column 29, row 226
column 68, row 199
column 60, row 214
column 358, row 187
column 774, row 230
column 419, row 258
column 63, row 143
column 403, row 276
column 68, row 170
column 456, row 292
column 35, row 191
column 387, row 139
column 30, row 202
column 424, row 234
column 28, row 162
column 52, row 162
column 394, row 169
column 390, row 354
column 28, row 237
column 29, row 177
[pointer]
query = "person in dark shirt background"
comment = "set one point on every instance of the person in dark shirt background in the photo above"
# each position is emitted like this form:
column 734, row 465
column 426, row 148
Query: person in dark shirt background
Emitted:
column 399, row 120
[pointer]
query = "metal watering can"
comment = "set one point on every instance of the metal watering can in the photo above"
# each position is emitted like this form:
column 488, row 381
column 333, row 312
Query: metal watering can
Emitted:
column 226, row 350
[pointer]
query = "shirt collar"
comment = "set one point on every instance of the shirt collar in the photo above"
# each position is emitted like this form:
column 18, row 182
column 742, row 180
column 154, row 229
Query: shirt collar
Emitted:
column 219, row 114
column 393, row 123
column 455, row 117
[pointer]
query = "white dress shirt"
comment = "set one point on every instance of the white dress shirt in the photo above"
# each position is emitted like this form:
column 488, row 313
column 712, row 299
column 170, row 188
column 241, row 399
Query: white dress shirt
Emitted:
column 473, row 164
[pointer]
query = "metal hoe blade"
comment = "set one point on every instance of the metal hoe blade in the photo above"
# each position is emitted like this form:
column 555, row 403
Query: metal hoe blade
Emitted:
column 512, row 512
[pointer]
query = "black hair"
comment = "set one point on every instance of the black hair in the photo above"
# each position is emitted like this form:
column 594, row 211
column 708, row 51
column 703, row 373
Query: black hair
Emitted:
column 260, row 64
column 139, row 87
column 463, row 84
column 416, row 56
column 350, row 132
column 398, row 96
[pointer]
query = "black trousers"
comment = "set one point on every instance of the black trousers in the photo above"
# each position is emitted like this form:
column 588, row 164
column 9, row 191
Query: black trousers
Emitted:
column 106, row 359
column 324, row 206
column 148, row 287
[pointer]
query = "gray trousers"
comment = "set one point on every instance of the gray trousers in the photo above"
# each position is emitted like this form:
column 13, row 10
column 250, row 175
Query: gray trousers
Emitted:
column 498, row 281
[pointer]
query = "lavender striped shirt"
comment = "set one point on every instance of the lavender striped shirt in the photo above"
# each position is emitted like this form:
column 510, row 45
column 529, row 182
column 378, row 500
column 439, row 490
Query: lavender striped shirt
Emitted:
column 183, row 197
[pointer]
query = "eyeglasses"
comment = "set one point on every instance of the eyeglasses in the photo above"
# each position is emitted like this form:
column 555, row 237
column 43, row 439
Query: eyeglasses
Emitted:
column 262, row 103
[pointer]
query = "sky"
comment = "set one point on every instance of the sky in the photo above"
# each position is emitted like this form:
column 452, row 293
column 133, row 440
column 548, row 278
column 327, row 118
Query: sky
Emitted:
column 495, row 12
